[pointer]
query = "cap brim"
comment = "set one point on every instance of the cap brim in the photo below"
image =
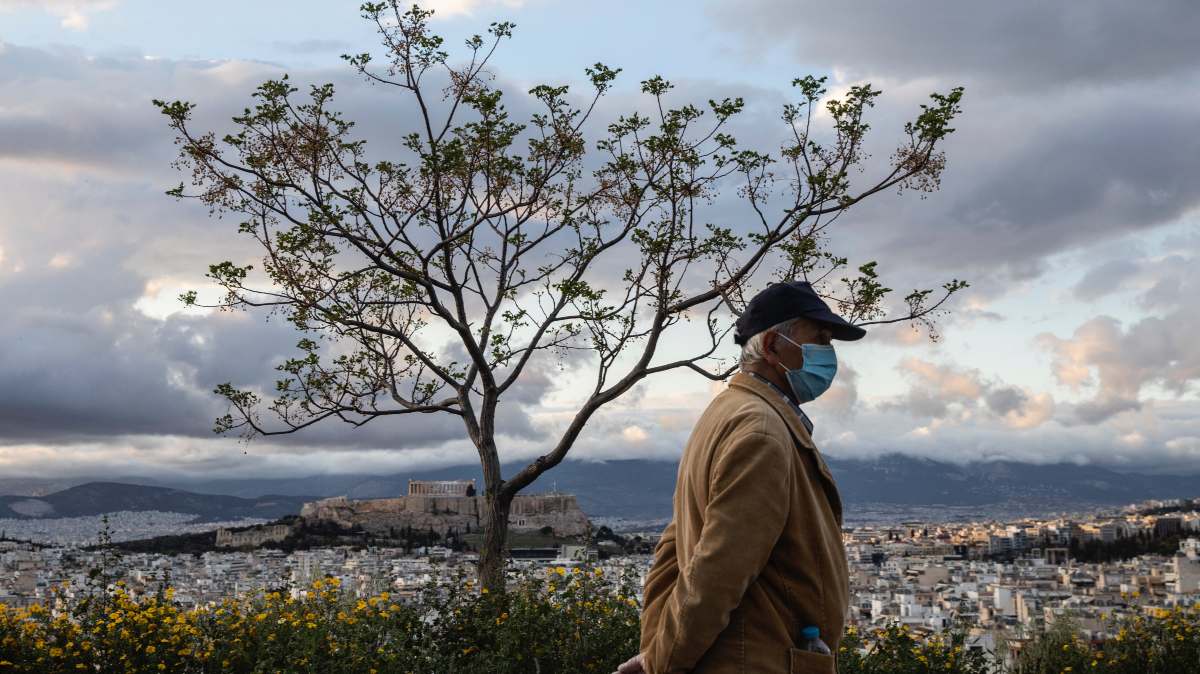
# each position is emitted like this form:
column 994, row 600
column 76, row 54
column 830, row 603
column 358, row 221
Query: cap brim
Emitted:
column 841, row 328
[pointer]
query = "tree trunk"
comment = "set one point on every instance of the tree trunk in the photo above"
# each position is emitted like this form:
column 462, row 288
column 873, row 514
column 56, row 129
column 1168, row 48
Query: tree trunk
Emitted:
column 492, row 555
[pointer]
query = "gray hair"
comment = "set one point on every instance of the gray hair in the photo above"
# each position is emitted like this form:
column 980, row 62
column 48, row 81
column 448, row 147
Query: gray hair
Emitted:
column 753, row 350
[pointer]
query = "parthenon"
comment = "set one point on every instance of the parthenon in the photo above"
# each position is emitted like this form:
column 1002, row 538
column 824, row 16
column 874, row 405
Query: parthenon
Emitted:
column 441, row 487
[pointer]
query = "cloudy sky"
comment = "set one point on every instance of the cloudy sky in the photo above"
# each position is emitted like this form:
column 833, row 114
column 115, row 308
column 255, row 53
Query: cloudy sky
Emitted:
column 1071, row 203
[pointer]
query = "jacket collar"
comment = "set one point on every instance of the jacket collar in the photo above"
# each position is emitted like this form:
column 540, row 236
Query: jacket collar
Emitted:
column 745, row 381
column 804, row 420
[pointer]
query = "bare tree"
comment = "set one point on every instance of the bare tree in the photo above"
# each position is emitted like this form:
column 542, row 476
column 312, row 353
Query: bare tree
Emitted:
column 493, row 233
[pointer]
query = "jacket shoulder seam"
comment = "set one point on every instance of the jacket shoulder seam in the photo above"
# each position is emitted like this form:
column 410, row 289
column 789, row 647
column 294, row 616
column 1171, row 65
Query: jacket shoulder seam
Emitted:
column 724, row 456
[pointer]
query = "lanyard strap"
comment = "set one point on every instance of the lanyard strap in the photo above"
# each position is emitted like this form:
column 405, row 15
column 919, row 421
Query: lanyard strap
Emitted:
column 808, row 425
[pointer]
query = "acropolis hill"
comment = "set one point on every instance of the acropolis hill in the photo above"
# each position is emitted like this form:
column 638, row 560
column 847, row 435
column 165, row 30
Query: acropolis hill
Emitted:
column 446, row 505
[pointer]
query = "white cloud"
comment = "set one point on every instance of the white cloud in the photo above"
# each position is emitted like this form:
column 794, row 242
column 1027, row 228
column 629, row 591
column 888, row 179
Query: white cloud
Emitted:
column 1036, row 411
column 634, row 434
column 160, row 298
column 921, row 431
column 1187, row 447
column 1133, row 439
column 73, row 14
column 449, row 9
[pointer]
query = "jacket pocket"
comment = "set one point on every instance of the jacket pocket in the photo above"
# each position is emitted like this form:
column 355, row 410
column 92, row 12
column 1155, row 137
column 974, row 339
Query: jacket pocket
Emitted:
column 808, row 662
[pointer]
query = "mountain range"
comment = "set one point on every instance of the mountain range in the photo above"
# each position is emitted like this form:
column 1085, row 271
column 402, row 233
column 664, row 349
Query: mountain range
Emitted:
column 96, row 498
column 632, row 488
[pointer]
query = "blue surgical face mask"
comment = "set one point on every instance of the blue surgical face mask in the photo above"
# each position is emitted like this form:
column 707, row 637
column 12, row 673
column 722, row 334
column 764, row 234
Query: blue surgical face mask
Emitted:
column 814, row 377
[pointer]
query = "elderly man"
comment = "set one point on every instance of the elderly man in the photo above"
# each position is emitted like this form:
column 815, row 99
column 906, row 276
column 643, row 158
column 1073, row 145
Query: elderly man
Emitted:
column 753, row 555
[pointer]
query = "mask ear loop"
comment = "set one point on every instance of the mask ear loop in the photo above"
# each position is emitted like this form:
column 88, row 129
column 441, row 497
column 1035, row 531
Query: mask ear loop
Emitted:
column 775, row 350
column 779, row 363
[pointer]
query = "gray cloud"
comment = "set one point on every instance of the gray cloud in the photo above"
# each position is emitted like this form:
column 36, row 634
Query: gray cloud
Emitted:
column 841, row 400
column 1079, row 123
column 81, row 364
column 1004, row 399
column 1032, row 177
column 1114, row 361
column 1102, row 407
column 312, row 45
column 1159, row 437
column 935, row 388
column 1105, row 279
column 947, row 392
column 86, row 233
column 1020, row 44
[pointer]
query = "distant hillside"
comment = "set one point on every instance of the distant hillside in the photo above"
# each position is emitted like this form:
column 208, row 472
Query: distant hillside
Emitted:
column 32, row 486
column 96, row 498
column 630, row 488
column 907, row 480
column 640, row 488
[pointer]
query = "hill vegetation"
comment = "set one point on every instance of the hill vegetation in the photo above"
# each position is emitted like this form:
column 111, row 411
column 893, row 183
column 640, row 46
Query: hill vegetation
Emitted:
column 307, row 535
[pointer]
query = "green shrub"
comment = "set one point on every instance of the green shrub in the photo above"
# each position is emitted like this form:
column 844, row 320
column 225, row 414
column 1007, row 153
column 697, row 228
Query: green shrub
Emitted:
column 563, row 621
column 557, row 621
column 1167, row 642
column 896, row 650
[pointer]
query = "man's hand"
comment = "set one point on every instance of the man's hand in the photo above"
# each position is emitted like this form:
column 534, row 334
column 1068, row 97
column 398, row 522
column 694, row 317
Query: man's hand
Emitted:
column 631, row 666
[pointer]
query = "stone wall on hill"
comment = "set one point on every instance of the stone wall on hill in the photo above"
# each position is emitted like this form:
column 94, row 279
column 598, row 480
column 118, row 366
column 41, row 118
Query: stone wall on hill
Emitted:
column 530, row 512
column 252, row 538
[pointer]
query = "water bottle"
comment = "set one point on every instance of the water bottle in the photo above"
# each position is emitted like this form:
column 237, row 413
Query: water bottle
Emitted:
column 812, row 640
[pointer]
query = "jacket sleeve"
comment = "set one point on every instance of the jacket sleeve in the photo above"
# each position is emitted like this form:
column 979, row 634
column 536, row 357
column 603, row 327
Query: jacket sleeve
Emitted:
column 745, row 514
column 659, row 583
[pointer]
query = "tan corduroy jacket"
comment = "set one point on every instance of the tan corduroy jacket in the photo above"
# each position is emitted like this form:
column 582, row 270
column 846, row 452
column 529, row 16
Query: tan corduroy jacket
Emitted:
column 754, row 552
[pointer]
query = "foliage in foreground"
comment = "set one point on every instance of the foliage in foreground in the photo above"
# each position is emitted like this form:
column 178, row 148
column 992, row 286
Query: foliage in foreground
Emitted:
column 1167, row 642
column 566, row 621
column 562, row 621
column 896, row 650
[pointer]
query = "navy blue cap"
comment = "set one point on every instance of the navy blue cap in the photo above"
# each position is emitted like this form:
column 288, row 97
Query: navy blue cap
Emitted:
column 784, row 301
